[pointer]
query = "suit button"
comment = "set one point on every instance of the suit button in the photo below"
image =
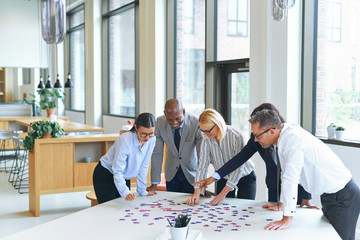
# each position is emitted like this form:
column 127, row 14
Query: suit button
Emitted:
column 180, row 158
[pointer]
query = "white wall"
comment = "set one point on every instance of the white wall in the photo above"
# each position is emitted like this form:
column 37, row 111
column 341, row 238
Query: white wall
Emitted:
column 21, row 43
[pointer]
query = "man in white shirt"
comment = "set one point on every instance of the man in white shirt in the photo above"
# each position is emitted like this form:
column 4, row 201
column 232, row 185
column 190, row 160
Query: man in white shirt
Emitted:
column 306, row 160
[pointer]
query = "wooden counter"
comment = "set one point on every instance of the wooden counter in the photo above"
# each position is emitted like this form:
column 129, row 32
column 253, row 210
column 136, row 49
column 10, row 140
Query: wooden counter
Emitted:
column 8, row 124
column 56, row 165
column 66, row 125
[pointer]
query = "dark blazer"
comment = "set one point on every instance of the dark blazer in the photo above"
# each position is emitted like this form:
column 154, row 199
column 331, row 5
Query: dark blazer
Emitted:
column 271, row 169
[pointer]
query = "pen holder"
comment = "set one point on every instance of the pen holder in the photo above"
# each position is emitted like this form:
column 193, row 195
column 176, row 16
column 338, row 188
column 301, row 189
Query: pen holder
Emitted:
column 179, row 233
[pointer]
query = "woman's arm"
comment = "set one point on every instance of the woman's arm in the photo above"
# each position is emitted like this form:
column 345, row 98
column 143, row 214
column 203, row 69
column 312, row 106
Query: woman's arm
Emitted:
column 239, row 159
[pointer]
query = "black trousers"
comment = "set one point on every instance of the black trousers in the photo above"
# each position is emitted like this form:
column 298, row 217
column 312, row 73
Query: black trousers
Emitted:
column 342, row 209
column 246, row 187
column 104, row 185
column 179, row 183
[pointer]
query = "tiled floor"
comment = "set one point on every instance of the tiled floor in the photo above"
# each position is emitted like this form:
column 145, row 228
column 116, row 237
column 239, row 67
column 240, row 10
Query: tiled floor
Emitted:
column 14, row 214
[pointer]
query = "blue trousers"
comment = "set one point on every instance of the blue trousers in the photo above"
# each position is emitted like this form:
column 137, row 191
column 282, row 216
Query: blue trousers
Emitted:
column 179, row 183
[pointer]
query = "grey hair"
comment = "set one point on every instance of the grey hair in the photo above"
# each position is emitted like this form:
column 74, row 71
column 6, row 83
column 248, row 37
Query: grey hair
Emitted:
column 267, row 118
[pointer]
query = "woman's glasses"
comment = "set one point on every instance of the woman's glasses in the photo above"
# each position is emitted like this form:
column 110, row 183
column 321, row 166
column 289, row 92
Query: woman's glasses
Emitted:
column 208, row 131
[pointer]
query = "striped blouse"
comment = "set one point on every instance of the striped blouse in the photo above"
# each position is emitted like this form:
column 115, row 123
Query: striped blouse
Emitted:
column 219, row 154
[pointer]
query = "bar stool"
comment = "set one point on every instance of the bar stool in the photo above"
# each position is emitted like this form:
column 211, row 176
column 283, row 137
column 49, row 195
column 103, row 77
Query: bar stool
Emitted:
column 22, row 180
column 4, row 156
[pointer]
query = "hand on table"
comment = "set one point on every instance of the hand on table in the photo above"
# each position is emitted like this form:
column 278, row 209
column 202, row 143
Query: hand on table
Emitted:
column 206, row 195
column 273, row 207
column 130, row 197
column 193, row 199
column 152, row 187
column 218, row 199
column 282, row 224
column 150, row 193
column 205, row 182
column 307, row 203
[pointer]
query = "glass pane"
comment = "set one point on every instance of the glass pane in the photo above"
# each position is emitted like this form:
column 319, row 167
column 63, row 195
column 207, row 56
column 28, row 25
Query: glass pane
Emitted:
column 76, row 18
column 190, row 58
column 121, row 58
column 232, row 10
column 77, row 70
column 109, row 5
column 337, row 84
column 240, row 101
column 226, row 38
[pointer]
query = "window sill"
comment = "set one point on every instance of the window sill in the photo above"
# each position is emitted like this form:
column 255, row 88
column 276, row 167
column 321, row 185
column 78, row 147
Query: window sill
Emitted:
column 348, row 143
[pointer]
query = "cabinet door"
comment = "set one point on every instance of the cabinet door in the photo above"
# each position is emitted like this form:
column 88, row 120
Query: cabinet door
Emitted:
column 56, row 163
column 83, row 173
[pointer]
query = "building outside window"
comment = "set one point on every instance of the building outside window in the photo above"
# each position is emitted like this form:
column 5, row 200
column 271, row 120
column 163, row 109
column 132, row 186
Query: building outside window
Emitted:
column 237, row 18
column 337, row 83
column 76, row 58
column 119, row 24
column 190, row 55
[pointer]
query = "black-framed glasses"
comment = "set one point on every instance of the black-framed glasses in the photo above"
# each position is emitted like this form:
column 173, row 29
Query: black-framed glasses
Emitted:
column 144, row 135
column 208, row 131
column 258, row 136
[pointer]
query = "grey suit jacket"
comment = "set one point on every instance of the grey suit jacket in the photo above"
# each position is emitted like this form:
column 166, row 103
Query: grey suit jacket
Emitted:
column 186, row 157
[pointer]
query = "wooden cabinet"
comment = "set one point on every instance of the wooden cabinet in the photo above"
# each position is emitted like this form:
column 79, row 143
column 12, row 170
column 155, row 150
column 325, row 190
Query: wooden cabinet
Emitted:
column 5, row 90
column 56, row 165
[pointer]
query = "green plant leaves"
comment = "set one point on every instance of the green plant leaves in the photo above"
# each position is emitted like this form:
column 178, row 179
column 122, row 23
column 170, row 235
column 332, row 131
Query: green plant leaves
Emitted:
column 37, row 131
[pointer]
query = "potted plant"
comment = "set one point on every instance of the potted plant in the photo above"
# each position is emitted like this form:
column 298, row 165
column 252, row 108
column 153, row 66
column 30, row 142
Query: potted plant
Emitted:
column 331, row 131
column 42, row 129
column 339, row 132
column 49, row 99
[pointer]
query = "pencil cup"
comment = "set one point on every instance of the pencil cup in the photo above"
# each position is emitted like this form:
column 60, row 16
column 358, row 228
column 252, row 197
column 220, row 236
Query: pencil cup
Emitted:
column 179, row 233
column 87, row 159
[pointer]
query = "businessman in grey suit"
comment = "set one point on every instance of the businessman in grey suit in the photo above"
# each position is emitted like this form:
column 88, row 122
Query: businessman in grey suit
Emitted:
column 180, row 131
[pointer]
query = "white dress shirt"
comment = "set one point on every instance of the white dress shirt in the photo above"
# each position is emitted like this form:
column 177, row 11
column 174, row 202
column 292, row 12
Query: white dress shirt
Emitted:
column 219, row 154
column 126, row 159
column 306, row 160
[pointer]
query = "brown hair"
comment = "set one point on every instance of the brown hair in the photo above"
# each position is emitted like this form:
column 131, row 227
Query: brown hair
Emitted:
column 268, row 106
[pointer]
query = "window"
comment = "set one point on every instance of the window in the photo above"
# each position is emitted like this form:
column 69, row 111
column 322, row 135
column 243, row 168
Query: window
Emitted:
column 337, row 83
column 76, row 58
column 190, row 55
column 119, row 25
column 332, row 19
column 233, row 40
column 237, row 18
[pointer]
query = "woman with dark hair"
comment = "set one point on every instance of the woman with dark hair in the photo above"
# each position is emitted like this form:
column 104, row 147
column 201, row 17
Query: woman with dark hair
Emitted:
column 129, row 157
column 267, row 155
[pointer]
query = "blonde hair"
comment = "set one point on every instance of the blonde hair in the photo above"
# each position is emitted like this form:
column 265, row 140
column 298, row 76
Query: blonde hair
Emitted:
column 209, row 117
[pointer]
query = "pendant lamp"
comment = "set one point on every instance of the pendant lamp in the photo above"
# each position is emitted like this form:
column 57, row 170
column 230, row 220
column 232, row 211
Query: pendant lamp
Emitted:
column 53, row 20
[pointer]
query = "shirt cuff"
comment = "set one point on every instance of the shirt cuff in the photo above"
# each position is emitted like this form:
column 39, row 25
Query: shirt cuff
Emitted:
column 125, row 193
column 155, row 183
column 216, row 176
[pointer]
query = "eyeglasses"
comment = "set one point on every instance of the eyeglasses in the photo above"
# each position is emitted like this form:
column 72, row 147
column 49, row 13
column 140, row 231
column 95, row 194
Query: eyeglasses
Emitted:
column 208, row 131
column 144, row 135
column 258, row 136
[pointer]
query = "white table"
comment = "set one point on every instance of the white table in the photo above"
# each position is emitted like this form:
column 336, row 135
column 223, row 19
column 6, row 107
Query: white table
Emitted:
column 118, row 219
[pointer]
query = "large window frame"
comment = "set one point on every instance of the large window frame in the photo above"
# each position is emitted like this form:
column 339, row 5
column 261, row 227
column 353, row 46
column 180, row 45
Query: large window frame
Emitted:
column 309, row 74
column 107, row 14
column 79, row 79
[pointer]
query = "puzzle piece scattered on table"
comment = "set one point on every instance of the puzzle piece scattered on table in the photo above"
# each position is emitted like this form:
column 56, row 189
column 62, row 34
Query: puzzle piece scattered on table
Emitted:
column 219, row 218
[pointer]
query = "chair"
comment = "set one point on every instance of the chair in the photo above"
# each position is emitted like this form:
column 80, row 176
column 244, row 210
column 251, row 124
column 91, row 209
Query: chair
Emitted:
column 19, row 174
column 91, row 196
column 4, row 150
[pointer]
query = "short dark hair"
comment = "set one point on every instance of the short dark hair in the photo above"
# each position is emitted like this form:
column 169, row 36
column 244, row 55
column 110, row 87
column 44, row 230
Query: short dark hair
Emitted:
column 145, row 120
column 269, row 106
column 267, row 118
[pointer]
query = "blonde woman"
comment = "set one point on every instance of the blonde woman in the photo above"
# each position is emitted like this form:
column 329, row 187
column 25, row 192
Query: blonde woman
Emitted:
column 220, row 144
